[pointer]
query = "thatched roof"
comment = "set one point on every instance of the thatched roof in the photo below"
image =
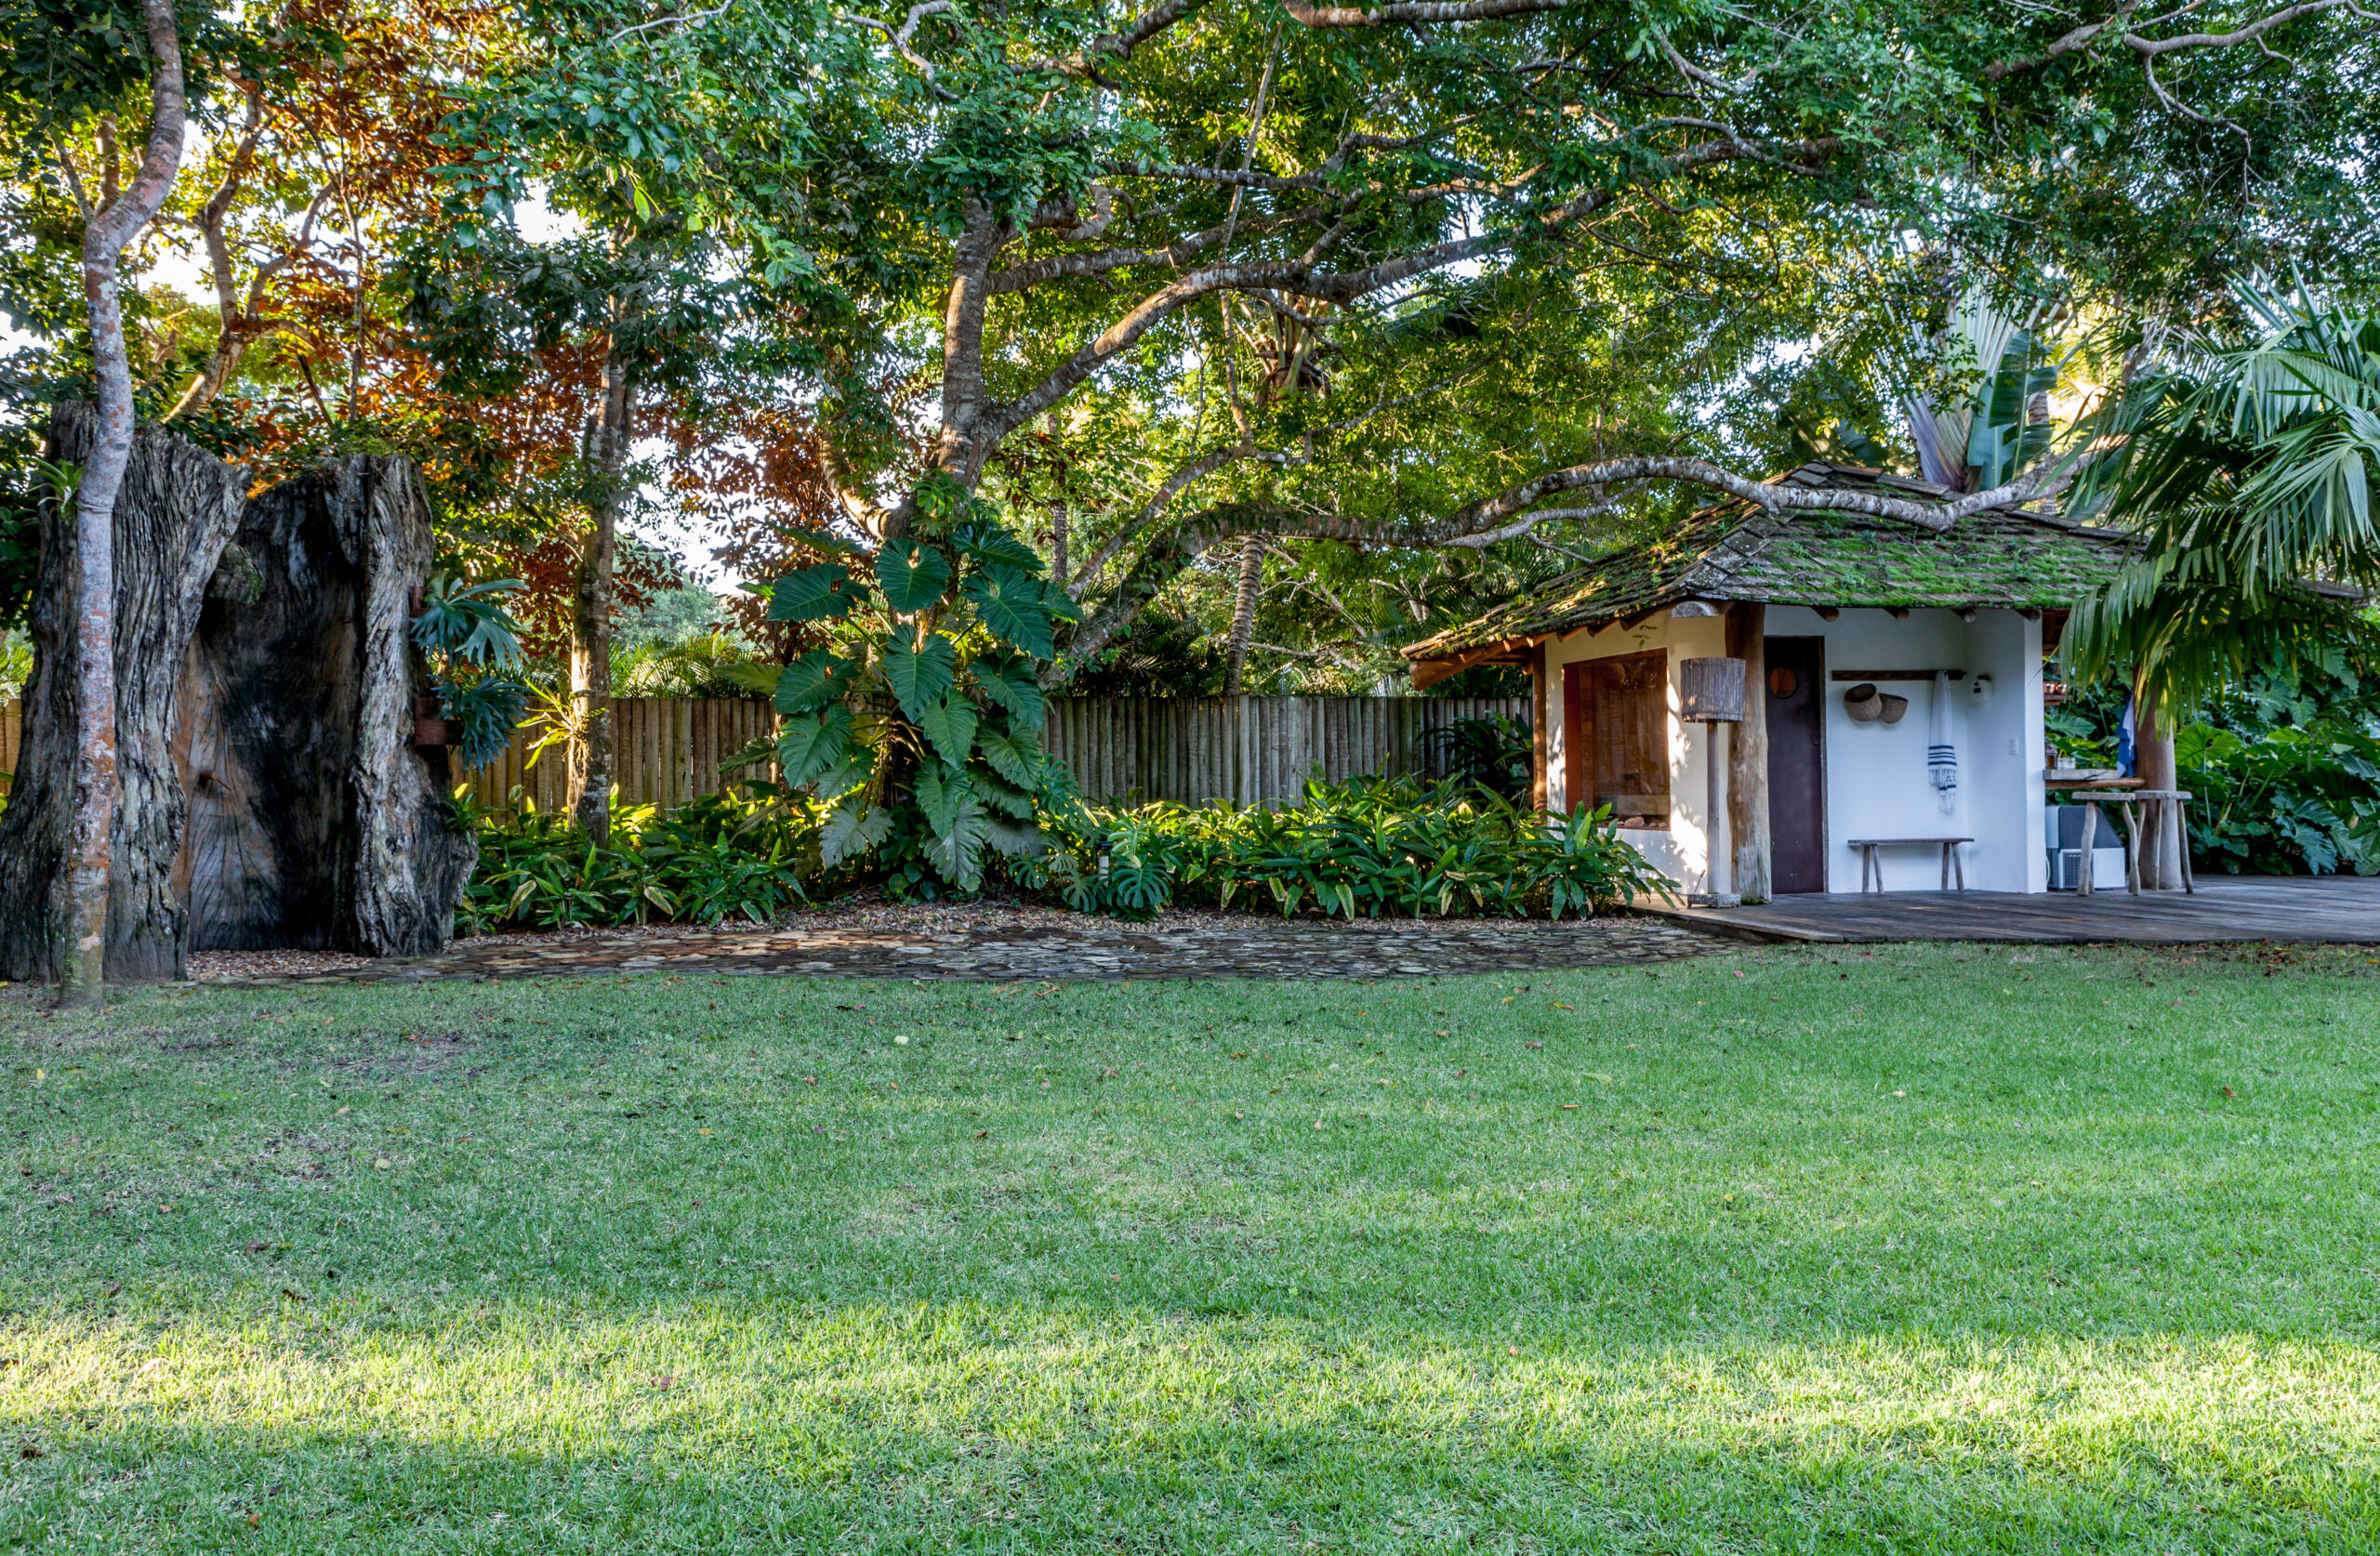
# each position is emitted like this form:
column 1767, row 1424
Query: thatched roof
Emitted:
column 2001, row 558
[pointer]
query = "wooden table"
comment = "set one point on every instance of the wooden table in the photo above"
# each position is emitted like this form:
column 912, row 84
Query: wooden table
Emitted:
column 1870, row 864
column 2129, row 796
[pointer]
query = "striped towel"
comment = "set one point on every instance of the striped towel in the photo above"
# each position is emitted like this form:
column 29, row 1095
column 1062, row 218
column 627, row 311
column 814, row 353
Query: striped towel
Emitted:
column 1942, row 752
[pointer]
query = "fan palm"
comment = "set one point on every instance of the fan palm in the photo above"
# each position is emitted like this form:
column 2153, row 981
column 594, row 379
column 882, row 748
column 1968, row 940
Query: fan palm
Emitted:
column 2247, row 467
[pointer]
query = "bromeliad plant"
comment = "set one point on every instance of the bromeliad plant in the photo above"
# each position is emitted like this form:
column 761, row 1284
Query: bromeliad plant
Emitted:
column 475, row 649
column 917, row 723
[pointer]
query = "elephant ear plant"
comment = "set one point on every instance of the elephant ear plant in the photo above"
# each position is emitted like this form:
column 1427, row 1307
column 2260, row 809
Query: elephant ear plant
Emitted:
column 918, row 724
column 473, row 646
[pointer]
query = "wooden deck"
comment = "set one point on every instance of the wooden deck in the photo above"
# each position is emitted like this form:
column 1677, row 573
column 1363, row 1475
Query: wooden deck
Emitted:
column 2341, row 909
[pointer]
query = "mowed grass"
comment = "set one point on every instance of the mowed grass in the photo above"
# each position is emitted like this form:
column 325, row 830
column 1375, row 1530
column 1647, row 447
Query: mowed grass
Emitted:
column 1925, row 1250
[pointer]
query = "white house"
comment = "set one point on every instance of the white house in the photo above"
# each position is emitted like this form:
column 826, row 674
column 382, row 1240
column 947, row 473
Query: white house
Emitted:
column 1820, row 605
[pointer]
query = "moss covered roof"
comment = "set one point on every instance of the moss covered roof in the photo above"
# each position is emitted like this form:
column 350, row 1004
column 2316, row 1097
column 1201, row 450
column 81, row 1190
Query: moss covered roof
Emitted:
column 1999, row 558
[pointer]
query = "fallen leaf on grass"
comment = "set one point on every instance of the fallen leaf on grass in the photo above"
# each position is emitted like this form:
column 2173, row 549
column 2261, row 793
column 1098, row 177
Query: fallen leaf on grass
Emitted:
column 1569, row 1107
column 111, row 1288
column 662, row 1380
column 1559, row 1006
column 1598, row 1076
column 291, row 1294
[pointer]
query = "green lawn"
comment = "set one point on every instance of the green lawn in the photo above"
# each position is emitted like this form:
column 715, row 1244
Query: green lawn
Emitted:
column 1940, row 1248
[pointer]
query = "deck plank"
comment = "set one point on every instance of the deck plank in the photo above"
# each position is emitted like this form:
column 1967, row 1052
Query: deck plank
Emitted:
column 2336, row 909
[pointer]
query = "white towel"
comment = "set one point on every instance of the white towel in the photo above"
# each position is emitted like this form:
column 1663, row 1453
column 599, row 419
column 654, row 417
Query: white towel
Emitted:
column 1942, row 752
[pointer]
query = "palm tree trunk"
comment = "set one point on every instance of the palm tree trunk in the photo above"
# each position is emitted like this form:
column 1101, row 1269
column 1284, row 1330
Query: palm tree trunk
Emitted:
column 83, row 962
column 1243, row 616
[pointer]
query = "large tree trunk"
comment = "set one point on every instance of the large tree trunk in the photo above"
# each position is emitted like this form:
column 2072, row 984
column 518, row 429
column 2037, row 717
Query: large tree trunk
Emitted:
column 78, row 959
column 177, row 507
column 1748, row 754
column 316, row 820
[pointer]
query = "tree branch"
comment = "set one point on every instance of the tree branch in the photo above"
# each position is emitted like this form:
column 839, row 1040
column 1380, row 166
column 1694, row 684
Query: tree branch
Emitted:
column 1416, row 13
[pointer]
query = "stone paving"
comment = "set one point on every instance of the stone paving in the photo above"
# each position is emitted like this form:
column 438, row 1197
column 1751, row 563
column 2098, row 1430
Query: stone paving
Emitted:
column 1078, row 950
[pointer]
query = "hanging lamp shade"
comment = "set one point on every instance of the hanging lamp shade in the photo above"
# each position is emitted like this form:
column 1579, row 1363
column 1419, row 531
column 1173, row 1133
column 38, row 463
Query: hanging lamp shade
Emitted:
column 1711, row 691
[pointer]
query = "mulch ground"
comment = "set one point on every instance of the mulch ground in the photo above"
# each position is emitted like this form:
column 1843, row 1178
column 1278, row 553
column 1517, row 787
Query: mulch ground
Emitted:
column 1001, row 943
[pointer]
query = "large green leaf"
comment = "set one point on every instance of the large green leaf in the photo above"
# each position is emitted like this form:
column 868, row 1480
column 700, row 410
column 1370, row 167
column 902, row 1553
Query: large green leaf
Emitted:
column 1009, row 680
column 852, row 828
column 941, row 792
column 921, row 676
column 957, row 851
column 989, row 542
column 1059, row 604
column 950, row 724
column 812, row 681
column 1015, row 755
column 1009, row 603
column 811, row 744
column 998, row 793
column 913, row 576
column 821, row 593
column 1016, row 839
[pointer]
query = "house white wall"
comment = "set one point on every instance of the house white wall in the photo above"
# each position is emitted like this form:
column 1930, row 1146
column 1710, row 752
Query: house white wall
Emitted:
column 1877, row 783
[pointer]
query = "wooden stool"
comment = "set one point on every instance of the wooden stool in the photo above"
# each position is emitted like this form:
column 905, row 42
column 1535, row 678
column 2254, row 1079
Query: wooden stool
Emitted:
column 1872, row 865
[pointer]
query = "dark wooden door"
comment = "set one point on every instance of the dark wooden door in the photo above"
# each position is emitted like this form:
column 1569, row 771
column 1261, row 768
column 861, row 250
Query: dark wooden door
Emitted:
column 1796, row 763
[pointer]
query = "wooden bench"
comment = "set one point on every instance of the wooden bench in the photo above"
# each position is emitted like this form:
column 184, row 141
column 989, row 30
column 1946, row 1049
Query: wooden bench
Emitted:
column 1871, row 865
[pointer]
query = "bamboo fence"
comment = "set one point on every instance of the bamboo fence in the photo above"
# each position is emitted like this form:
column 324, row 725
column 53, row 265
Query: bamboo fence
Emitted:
column 1247, row 750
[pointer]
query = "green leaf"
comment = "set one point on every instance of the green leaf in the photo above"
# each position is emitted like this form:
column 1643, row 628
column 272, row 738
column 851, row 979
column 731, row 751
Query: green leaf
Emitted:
column 950, row 724
column 812, row 681
column 1059, row 604
column 1001, row 795
column 1009, row 603
column 921, row 677
column 1015, row 755
column 941, row 792
column 821, row 593
column 988, row 544
column 958, row 852
column 852, row 828
column 1009, row 681
column 913, row 576
column 1014, row 838
column 813, row 743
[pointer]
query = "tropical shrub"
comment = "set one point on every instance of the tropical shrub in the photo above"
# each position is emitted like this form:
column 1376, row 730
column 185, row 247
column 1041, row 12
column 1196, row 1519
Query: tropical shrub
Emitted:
column 1496, row 753
column 1368, row 847
column 918, row 724
column 475, row 649
column 744, row 855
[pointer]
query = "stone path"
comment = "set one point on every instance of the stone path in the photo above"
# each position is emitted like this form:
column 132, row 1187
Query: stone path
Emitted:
column 1085, row 950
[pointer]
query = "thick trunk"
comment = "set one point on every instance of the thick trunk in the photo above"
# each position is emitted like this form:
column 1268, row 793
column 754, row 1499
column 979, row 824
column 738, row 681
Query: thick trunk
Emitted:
column 591, row 649
column 314, row 820
column 1748, row 756
column 2160, row 843
column 176, row 509
column 78, row 958
column 1243, row 616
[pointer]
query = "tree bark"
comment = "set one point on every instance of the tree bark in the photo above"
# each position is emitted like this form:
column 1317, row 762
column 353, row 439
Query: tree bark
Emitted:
column 176, row 509
column 314, row 820
column 79, row 963
column 591, row 649
column 1747, row 755
column 1243, row 616
column 2160, row 843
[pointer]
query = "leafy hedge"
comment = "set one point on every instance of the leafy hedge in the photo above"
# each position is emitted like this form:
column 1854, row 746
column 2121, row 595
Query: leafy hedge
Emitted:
column 1368, row 847
column 1373, row 848
column 749, row 855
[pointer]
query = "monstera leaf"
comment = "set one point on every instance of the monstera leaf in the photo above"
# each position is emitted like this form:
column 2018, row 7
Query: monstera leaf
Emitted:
column 811, row 744
column 912, row 576
column 814, row 680
column 821, row 593
column 950, row 724
column 920, row 675
column 1001, row 795
column 1010, row 606
column 1009, row 681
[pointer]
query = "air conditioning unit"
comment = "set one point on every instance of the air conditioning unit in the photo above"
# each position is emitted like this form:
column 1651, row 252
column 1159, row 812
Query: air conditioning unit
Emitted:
column 2065, row 829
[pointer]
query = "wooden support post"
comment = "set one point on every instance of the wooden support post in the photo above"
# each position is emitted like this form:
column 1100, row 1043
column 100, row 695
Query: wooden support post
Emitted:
column 1748, row 756
column 1540, row 700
